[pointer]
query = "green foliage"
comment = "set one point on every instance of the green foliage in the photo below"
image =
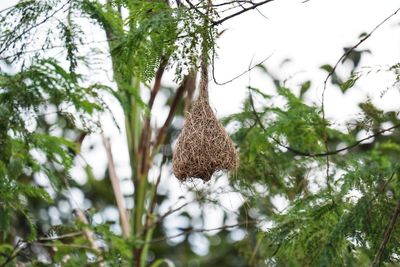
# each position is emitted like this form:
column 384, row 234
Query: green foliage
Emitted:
column 27, row 149
column 331, row 220
column 46, row 111
column 335, row 215
column 29, row 14
column 152, row 32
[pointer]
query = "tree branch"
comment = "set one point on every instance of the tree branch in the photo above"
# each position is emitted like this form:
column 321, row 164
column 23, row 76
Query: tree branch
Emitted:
column 90, row 236
column 234, row 2
column 15, row 252
column 386, row 236
column 195, row 8
column 239, row 75
column 362, row 40
column 74, row 246
column 188, row 81
column 162, row 217
column 202, row 230
column 50, row 48
column 189, row 93
column 149, row 216
column 312, row 154
column 255, row 5
column 157, row 82
column 58, row 237
column 343, row 57
column 125, row 225
column 146, row 132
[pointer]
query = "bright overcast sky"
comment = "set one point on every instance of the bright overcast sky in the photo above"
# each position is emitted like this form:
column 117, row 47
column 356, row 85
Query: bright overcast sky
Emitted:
column 311, row 34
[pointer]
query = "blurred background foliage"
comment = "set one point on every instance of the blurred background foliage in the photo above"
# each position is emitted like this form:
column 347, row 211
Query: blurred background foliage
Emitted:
column 313, row 193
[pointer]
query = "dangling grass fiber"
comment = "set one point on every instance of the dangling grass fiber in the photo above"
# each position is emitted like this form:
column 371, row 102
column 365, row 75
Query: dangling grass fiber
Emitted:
column 203, row 146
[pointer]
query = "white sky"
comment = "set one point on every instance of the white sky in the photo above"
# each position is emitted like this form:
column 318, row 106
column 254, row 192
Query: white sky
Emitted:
column 311, row 34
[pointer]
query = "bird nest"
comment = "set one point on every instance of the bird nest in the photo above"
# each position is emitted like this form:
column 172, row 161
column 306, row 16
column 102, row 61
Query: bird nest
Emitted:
column 203, row 146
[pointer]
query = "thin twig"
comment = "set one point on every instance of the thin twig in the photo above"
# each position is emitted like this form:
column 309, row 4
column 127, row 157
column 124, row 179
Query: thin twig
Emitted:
column 90, row 236
column 241, row 74
column 58, row 237
column 255, row 5
column 149, row 216
column 189, row 93
column 203, row 230
column 233, row 2
column 380, row 190
column 195, row 8
column 327, row 162
column 6, row 44
column 8, row 8
column 349, row 51
column 86, row 231
column 262, row 14
column 387, row 235
column 313, row 154
column 187, row 82
column 162, row 217
column 172, row 210
column 362, row 40
column 343, row 57
column 49, row 48
column 253, row 258
column 70, row 246
column 15, row 252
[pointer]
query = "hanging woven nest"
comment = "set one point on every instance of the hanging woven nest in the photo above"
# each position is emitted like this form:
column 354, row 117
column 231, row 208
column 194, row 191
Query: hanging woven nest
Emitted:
column 203, row 146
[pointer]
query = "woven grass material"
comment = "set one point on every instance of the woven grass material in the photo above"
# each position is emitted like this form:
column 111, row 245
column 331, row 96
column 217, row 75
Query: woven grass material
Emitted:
column 203, row 146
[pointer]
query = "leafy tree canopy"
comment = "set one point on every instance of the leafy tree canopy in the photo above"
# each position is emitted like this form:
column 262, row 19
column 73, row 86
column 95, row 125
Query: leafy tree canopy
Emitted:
column 341, row 191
